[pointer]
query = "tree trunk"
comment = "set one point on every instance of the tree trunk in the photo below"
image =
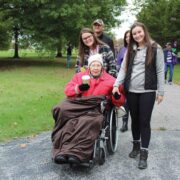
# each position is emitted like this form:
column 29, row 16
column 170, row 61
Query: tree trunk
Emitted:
column 16, row 53
column 59, row 53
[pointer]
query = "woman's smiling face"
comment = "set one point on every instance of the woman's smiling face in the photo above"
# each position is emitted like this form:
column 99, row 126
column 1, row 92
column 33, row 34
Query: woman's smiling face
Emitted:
column 88, row 39
column 138, row 35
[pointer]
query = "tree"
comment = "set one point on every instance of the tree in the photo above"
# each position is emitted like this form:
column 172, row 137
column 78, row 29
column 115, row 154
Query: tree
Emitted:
column 50, row 23
column 162, row 19
column 12, row 14
column 5, row 36
column 62, row 22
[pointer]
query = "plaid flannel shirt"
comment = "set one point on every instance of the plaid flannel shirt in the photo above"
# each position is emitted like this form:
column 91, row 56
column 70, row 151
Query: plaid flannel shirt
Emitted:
column 109, row 63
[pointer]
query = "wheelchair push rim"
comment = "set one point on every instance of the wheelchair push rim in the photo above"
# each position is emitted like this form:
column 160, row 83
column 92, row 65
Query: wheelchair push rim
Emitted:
column 112, row 141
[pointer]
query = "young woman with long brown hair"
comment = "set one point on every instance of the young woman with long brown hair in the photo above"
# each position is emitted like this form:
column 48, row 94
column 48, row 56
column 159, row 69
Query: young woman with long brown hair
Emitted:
column 89, row 45
column 142, row 73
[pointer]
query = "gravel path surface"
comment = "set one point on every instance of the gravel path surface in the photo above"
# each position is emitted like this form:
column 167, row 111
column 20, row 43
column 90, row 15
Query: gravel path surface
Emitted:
column 29, row 158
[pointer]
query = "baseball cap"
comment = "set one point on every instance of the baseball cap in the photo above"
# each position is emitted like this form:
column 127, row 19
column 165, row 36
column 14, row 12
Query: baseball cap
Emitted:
column 99, row 21
column 168, row 44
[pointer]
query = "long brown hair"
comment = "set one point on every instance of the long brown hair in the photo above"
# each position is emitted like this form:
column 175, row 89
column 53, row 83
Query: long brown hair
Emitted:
column 147, row 40
column 83, row 49
column 125, row 42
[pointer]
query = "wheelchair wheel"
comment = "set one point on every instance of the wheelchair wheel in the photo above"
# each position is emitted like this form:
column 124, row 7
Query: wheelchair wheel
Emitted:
column 101, row 158
column 112, row 132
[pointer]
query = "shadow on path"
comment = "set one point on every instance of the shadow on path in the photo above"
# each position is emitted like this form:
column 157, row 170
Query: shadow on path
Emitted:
column 11, row 63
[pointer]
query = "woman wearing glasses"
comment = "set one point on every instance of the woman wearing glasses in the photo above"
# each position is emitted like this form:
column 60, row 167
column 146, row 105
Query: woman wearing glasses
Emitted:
column 89, row 45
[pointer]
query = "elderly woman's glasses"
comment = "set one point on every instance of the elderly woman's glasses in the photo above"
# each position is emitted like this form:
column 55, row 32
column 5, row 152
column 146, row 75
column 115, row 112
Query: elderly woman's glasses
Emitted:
column 98, row 66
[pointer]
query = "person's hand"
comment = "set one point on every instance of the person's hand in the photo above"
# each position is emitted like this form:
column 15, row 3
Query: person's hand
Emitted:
column 116, row 95
column 115, row 89
column 159, row 99
column 84, row 87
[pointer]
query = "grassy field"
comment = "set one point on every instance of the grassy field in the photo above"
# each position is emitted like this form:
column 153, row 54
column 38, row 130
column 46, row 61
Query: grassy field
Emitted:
column 25, row 53
column 176, row 76
column 29, row 89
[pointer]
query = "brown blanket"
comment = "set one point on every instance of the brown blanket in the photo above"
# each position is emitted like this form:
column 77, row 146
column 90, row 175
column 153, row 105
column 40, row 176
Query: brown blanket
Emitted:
column 77, row 125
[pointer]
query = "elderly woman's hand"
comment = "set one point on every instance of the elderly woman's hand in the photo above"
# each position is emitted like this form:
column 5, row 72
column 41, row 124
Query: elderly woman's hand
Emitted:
column 84, row 87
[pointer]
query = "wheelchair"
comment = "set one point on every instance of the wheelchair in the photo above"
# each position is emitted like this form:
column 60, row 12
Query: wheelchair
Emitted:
column 107, row 141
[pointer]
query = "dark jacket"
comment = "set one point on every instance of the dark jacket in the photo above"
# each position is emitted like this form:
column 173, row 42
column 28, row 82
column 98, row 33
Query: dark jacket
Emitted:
column 69, row 50
column 150, row 72
column 104, row 38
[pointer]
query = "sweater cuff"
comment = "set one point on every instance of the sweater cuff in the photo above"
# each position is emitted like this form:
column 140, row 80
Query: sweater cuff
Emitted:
column 160, row 93
column 115, row 85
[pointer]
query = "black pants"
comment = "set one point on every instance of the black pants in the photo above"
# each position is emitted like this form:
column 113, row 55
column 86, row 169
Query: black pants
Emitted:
column 141, row 106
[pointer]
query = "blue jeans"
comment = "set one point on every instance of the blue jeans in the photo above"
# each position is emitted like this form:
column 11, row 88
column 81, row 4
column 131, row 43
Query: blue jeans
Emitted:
column 171, row 70
column 68, row 61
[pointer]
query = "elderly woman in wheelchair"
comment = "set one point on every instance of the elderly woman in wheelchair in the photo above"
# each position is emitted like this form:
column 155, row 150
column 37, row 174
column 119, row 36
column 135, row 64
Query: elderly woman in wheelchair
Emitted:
column 87, row 117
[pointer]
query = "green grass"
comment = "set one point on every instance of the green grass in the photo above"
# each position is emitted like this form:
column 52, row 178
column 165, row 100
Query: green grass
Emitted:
column 31, row 53
column 28, row 91
column 176, row 75
column 26, row 53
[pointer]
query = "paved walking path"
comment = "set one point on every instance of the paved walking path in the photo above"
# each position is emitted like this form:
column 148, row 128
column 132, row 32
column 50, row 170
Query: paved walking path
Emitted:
column 34, row 161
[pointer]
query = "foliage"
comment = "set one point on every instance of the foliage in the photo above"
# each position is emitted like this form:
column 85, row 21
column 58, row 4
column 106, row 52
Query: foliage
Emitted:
column 5, row 36
column 51, row 23
column 162, row 19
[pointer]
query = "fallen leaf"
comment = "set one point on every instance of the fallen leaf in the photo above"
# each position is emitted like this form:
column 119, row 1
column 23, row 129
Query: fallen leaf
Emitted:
column 23, row 145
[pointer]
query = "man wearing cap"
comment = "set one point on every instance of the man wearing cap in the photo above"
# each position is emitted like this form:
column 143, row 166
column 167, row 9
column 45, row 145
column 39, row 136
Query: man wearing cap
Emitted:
column 98, row 27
